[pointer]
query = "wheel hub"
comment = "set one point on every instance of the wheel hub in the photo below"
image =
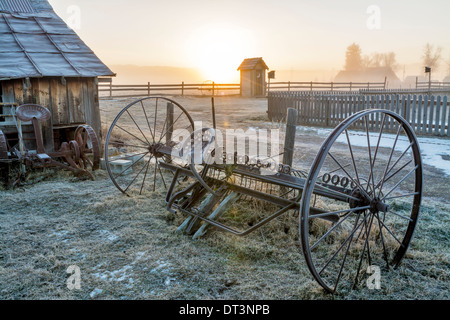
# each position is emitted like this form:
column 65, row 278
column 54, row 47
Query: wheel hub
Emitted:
column 377, row 205
column 154, row 150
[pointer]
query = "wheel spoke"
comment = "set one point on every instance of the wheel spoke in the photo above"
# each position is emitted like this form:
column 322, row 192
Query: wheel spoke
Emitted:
column 389, row 161
column 382, row 241
column 171, row 127
column 146, row 118
column 376, row 151
column 139, row 128
column 129, row 145
column 390, row 232
column 342, row 245
column 130, row 133
column 131, row 165
column 329, row 231
column 398, row 183
column 321, row 215
column 366, row 244
column 140, row 171
column 145, row 175
column 351, row 154
column 348, row 175
column 345, row 257
column 402, row 196
column 370, row 156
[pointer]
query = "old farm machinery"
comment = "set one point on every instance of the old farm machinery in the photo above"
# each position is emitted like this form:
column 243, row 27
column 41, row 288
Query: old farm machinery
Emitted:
column 358, row 204
column 22, row 145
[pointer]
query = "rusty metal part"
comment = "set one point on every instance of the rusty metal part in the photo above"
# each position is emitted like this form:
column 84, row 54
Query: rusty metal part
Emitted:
column 27, row 112
column 88, row 144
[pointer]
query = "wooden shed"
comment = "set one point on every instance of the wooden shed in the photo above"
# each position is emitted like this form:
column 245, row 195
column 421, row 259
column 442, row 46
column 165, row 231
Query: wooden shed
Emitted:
column 253, row 77
column 43, row 61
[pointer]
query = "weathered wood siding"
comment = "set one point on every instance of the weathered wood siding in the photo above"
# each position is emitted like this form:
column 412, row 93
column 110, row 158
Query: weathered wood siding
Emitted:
column 71, row 102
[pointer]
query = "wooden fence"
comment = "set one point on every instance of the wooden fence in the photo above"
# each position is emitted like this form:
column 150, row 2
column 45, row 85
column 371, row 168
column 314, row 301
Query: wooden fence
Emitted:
column 109, row 90
column 324, row 86
column 426, row 114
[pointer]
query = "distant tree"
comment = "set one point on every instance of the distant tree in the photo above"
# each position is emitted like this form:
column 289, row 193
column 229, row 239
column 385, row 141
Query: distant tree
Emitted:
column 377, row 60
column 390, row 61
column 353, row 59
column 431, row 56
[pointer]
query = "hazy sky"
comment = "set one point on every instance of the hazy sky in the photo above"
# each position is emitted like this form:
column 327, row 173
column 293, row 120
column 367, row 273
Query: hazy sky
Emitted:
column 288, row 34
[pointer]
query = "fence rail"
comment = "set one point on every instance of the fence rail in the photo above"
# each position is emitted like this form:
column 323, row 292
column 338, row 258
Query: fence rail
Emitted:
column 321, row 86
column 211, row 89
column 427, row 114
column 107, row 89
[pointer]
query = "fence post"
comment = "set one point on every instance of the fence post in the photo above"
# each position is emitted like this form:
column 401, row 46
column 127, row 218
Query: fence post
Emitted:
column 289, row 139
column 182, row 88
column 110, row 89
column 289, row 86
column 148, row 88
column 213, row 85
column 350, row 86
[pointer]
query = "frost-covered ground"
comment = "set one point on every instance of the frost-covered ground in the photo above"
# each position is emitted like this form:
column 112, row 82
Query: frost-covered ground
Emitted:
column 126, row 248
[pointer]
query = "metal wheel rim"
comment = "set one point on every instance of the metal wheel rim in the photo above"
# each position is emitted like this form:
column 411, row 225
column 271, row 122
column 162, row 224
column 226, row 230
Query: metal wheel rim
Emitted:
column 114, row 123
column 313, row 176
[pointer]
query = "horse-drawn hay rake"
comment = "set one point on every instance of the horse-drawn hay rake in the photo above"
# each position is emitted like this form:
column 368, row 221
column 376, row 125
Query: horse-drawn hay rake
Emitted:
column 358, row 205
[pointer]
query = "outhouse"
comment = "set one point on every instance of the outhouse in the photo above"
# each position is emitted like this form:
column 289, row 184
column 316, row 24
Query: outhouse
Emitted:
column 253, row 77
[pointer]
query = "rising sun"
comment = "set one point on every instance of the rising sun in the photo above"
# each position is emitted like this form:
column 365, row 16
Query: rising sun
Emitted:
column 217, row 50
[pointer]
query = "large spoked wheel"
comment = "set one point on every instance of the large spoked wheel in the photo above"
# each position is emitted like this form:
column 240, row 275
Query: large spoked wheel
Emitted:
column 361, row 200
column 140, row 138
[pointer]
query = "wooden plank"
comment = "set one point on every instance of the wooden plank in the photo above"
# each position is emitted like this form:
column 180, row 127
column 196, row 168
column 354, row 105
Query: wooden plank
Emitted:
column 444, row 115
column 18, row 92
column 75, row 103
column 408, row 109
column 41, row 96
column 419, row 114
column 91, row 105
column 437, row 116
column 414, row 113
column 377, row 115
column 289, row 141
column 425, row 114
column 392, row 108
column 58, row 97
column 431, row 115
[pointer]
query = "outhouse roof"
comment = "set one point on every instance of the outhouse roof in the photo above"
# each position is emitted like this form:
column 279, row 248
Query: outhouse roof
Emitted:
column 36, row 42
column 252, row 63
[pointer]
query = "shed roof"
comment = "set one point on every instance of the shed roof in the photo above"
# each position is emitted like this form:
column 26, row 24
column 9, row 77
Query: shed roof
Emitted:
column 36, row 42
column 252, row 63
